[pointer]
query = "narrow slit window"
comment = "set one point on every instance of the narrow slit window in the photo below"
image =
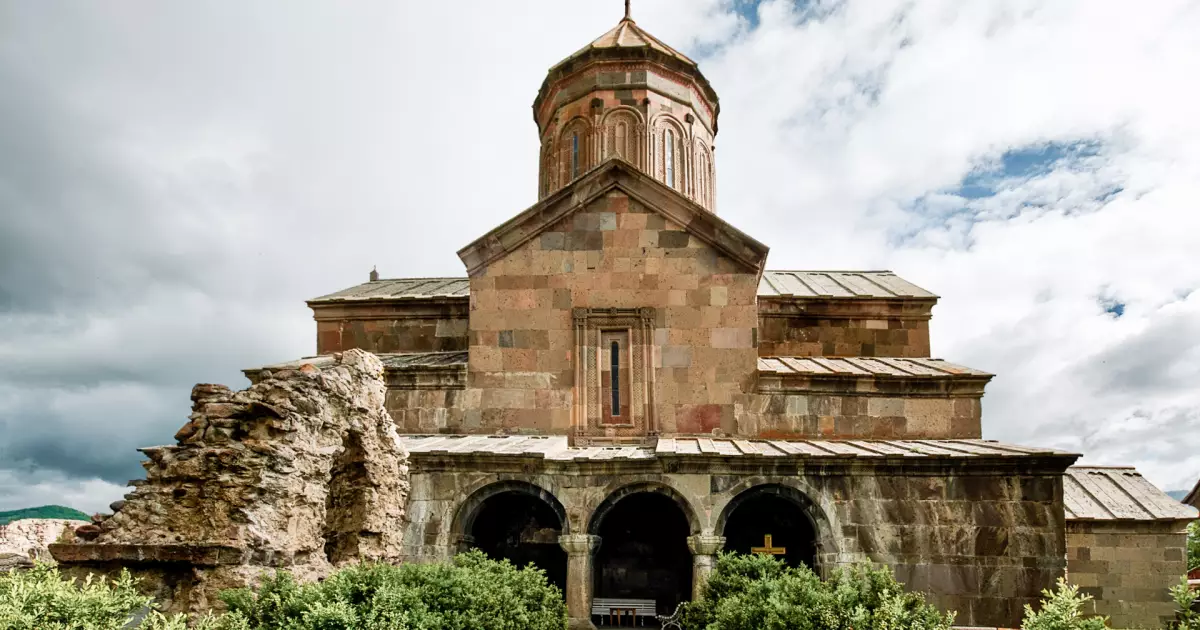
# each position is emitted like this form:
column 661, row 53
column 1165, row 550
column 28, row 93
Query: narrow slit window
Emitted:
column 574, row 155
column 615, row 384
column 613, row 395
column 669, row 156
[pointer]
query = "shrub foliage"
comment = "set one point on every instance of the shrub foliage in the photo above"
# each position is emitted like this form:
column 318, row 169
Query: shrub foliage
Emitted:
column 472, row 592
column 761, row 593
column 41, row 599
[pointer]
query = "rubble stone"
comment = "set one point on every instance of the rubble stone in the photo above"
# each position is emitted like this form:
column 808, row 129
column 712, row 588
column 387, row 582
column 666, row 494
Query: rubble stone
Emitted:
column 302, row 470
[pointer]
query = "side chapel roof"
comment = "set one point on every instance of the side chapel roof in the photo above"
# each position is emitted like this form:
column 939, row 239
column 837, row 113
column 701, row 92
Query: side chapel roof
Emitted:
column 774, row 284
column 1095, row 493
column 1193, row 497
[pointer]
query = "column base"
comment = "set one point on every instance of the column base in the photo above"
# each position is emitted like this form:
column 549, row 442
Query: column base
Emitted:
column 580, row 624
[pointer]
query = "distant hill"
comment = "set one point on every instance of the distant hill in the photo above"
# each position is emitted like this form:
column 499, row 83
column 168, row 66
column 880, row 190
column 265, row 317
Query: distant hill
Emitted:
column 1177, row 494
column 46, row 511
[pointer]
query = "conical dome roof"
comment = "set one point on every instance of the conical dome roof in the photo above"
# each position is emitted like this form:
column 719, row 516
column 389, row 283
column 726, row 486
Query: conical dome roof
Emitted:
column 627, row 42
column 627, row 34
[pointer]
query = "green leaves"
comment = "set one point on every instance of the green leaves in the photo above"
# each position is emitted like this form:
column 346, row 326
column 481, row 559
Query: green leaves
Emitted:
column 472, row 592
column 761, row 593
column 1062, row 609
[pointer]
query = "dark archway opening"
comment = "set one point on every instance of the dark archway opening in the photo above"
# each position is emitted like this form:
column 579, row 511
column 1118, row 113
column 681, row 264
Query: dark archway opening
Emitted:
column 759, row 514
column 521, row 528
column 643, row 551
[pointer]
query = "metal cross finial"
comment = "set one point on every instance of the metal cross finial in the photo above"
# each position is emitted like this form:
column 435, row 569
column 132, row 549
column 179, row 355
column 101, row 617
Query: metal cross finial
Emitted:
column 627, row 11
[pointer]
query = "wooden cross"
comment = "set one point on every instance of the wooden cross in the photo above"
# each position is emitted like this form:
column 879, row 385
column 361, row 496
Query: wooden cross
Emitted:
column 769, row 548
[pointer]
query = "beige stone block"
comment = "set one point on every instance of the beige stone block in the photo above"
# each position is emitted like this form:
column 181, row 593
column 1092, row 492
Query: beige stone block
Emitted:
column 876, row 324
column 731, row 338
column 719, row 296
column 676, row 356
column 676, row 297
column 885, row 407
column 484, row 359
column 928, row 417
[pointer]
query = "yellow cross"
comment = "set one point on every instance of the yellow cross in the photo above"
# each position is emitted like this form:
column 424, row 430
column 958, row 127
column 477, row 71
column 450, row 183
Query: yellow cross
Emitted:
column 769, row 548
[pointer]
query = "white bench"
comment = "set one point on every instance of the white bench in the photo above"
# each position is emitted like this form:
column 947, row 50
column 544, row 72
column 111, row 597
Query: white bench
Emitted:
column 615, row 608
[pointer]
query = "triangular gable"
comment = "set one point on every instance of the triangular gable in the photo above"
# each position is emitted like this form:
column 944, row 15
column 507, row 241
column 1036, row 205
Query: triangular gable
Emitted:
column 615, row 174
column 1193, row 497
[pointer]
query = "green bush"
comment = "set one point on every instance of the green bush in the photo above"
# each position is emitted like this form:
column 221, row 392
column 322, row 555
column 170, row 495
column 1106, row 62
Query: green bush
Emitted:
column 1194, row 545
column 1186, row 618
column 473, row 592
column 1062, row 609
column 761, row 593
column 41, row 599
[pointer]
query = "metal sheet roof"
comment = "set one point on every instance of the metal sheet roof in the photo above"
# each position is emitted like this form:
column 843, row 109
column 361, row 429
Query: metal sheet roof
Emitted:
column 1117, row 494
column 402, row 288
column 864, row 366
column 791, row 284
column 556, row 448
column 627, row 34
column 838, row 284
column 1193, row 497
column 390, row 361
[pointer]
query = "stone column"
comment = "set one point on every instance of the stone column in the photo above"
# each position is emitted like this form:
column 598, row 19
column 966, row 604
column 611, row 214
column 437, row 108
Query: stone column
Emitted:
column 705, row 548
column 579, row 548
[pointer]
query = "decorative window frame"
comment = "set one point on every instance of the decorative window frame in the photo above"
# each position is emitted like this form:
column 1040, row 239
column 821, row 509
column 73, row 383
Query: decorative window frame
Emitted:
column 588, row 414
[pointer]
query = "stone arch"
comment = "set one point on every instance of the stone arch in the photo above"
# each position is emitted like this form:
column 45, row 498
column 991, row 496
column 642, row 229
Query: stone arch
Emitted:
column 516, row 521
column 620, row 134
column 569, row 152
column 793, row 493
column 659, row 146
column 548, row 167
column 614, row 496
column 468, row 510
column 703, row 174
column 643, row 530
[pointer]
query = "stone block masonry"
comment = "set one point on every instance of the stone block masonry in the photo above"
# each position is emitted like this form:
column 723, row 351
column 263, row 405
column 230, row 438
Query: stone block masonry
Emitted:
column 304, row 470
column 1126, row 566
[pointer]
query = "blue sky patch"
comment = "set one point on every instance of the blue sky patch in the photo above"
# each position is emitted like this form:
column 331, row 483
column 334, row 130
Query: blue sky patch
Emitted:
column 1025, row 163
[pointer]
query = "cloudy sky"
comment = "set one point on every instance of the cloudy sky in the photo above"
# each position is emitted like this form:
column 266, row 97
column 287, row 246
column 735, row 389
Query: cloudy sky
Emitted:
column 176, row 178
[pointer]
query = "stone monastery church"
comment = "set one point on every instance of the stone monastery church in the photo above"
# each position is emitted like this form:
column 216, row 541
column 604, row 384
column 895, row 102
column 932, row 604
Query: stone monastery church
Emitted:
column 620, row 388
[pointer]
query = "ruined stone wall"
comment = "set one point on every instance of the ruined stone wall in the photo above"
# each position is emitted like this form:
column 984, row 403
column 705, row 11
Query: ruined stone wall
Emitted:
column 613, row 254
column 429, row 325
column 1127, row 568
column 25, row 541
column 844, row 328
column 304, row 470
column 982, row 538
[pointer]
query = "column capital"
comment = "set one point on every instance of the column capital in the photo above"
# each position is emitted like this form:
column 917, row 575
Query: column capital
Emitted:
column 705, row 544
column 579, row 544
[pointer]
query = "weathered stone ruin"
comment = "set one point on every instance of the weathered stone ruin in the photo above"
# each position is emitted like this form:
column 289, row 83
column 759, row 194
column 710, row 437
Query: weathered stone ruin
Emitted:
column 24, row 542
column 302, row 471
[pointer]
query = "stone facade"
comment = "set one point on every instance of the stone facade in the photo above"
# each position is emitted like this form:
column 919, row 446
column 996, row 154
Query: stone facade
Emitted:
column 304, row 470
column 844, row 328
column 416, row 326
column 982, row 535
column 1126, row 567
column 685, row 306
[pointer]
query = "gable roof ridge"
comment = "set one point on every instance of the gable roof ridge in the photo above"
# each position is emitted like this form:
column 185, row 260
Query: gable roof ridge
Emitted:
column 508, row 236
